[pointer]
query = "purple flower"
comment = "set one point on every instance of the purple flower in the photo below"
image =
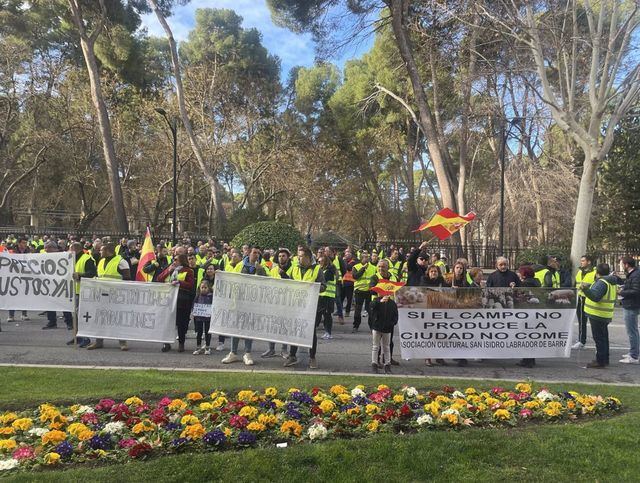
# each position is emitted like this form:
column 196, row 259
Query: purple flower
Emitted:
column 215, row 438
column 293, row 414
column 347, row 406
column 101, row 442
column 179, row 442
column 415, row 405
column 360, row 400
column 64, row 449
column 268, row 405
column 302, row 397
column 172, row 426
column 246, row 438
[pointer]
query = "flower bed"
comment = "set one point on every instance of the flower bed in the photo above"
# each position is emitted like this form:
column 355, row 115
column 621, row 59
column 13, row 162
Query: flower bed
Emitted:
column 134, row 429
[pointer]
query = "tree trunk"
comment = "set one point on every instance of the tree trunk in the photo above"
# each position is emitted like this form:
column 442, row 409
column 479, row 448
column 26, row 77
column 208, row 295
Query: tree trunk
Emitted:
column 427, row 122
column 218, row 217
column 583, row 208
column 87, row 43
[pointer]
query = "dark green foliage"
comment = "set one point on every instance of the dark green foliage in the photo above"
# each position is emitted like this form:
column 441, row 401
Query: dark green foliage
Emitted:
column 269, row 234
column 533, row 255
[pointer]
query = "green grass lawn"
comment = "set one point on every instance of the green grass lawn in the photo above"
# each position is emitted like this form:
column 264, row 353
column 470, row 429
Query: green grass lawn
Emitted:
column 596, row 450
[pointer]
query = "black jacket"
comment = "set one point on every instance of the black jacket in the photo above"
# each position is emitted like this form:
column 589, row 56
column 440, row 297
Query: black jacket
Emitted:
column 630, row 292
column 502, row 279
column 384, row 315
column 414, row 271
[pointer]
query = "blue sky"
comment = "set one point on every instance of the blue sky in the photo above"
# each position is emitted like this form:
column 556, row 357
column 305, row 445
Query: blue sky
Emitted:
column 293, row 49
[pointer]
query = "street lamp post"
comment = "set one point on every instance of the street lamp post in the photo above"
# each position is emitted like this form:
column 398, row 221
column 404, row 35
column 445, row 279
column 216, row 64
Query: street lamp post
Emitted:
column 503, row 148
column 173, row 126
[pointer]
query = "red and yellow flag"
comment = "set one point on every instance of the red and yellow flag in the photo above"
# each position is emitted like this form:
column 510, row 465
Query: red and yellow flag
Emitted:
column 445, row 223
column 146, row 255
column 387, row 287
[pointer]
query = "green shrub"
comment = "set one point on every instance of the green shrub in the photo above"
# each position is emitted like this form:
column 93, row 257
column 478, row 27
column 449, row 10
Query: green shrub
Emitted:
column 241, row 219
column 534, row 254
column 269, row 234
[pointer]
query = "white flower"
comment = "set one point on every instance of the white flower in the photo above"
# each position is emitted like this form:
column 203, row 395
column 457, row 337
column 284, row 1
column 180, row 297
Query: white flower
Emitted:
column 8, row 464
column 458, row 395
column 317, row 431
column 410, row 391
column 424, row 419
column 38, row 431
column 450, row 411
column 545, row 395
column 357, row 392
column 115, row 427
column 84, row 410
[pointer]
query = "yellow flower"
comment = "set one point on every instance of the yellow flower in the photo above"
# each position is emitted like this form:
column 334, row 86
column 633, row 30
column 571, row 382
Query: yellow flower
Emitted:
column 22, row 424
column 552, row 412
column 481, row 407
column 433, row 408
column 214, row 395
column 267, row 419
column 588, row 409
column 278, row 403
column 344, row 398
column 473, row 398
column 338, row 389
column 194, row 396
column 470, row 390
column 371, row 409
column 189, row 419
column 360, row 386
column 523, row 387
column 220, row 401
column 451, row 418
column 255, row 426
column 58, row 422
column 502, row 414
column 398, row 398
column 571, row 405
column 134, row 401
column 52, row 458
column 143, row 427
column 554, row 405
column 76, row 428
column 293, row 389
column 491, row 401
column 193, row 431
column 459, row 406
column 318, row 398
column 291, row 428
column 177, row 405
column 382, row 387
column 85, row 435
column 245, row 396
column 354, row 410
column 54, row 437
column 271, row 392
column 510, row 403
column 532, row 405
column 327, row 406
column 442, row 399
column 248, row 412
column 206, row 406
column 8, row 418
column 227, row 432
column 373, row 425
column 7, row 444
column 8, row 431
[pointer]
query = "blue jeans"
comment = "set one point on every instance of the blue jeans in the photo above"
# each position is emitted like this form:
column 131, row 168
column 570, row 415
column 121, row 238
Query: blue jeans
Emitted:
column 235, row 342
column 339, row 300
column 631, row 323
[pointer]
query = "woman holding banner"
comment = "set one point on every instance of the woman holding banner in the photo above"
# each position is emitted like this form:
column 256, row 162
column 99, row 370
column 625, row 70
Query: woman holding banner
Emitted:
column 179, row 273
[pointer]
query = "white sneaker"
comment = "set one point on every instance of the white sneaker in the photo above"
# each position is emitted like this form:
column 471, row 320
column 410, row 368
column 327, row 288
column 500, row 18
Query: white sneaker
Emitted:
column 207, row 351
column 231, row 357
column 326, row 336
column 24, row 317
column 220, row 347
column 198, row 352
column 248, row 361
column 10, row 319
column 577, row 346
column 629, row 360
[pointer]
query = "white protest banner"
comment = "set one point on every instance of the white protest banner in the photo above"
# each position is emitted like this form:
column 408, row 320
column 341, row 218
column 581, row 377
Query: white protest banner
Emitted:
column 114, row 309
column 36, row 281
column 489, row 323
column 201, row 310
column 264, row 308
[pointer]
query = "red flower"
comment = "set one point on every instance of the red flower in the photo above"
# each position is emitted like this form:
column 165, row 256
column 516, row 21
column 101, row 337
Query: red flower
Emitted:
column 120, row 411
column 236, row 421
column 432, row 394
column 497, row 390
column 139, row 450
column 316, row 410
column 188, row 411
column 315, row 391
column 132, row 421
column 89, row 418
column 105, row 405
column 158, row 416
column 380, row 417
column 213, row 417
column 405, row 411
column 390, row 414
column 448, row 389
column 165, row 401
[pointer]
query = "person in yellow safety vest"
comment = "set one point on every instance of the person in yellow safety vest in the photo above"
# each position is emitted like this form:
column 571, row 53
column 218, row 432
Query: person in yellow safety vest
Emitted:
column 282, row 269
column 586, row 275
column 235, row 262
column 382, row 273
column 111, row 267
column 340, row 270
column 395, row 264
column 201, row 258
column 266, row 260
column 198, row 272
column 327, row 296
column 378, row 251
column 306, row 271
column 374, row 259
column 600, row 298
column 436, row 259
column 216, row 259
column 549, row 276
column 120, row 247
column 362, row 273
column 85, row 267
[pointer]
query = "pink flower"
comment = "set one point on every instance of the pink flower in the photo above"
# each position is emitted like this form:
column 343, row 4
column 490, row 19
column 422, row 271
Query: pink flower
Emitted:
column 236, row 421
column 164, row 402
column 89, row 418
column 127, row 443
column 497, row 390
column 526, row 413
column 24, row 453
column 105, row 405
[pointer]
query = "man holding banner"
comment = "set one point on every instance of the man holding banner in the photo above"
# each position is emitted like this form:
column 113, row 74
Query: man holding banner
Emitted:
column 84, row 267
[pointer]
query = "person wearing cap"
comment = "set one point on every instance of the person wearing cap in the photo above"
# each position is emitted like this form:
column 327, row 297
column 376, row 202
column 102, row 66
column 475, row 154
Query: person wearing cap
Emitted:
column 417, row 265
column 362, row 273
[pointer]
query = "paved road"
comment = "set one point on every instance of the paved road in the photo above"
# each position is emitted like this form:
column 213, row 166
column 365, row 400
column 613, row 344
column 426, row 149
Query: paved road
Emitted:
column 27, row 343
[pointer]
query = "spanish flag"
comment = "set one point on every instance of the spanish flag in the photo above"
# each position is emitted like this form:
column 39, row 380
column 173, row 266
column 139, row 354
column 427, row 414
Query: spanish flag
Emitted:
column 445, row 223
column 146, row 255
column 387, row 287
